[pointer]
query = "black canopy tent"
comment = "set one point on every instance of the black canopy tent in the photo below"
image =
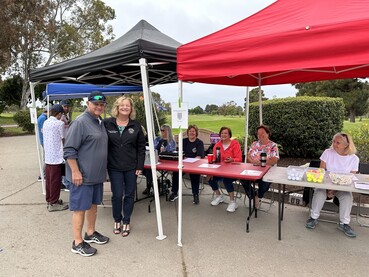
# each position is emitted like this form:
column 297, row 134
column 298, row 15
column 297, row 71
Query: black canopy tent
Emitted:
column 117, row 62
column 143, row 56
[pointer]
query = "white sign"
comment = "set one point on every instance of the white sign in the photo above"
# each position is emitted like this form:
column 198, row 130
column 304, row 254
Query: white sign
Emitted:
column 179, row 115
column 33, row 114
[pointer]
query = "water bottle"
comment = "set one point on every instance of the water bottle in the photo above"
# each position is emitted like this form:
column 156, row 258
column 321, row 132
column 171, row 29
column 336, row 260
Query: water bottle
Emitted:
column 217, row 155
column 263, row 159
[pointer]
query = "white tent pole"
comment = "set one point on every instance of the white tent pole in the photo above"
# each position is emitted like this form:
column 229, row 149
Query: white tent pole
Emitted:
column 260, row 102
column 150, row 133
column 180, row 166
column 247, row 98
column 40, row 161
column 155, row 112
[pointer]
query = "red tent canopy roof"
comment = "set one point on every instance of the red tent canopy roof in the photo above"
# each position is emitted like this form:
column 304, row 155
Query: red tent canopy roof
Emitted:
column 287, row 42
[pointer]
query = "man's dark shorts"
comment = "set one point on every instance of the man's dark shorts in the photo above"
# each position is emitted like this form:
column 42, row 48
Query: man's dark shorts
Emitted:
column 82, row 197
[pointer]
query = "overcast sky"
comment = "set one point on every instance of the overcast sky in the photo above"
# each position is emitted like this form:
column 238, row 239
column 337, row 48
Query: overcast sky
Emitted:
column 186, row 21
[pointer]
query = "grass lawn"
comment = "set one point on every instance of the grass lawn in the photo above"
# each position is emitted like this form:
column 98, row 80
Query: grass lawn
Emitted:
column 7, row 119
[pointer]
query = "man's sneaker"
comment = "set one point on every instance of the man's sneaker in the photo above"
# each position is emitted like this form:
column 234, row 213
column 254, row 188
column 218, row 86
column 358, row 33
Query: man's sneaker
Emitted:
column 57, row 207
column 196, row 199
column 96, row 237
column 232, row 206
column 217, row 200
column 311, row 223
column 347, row 230
column 39, row 179
column 84, row 249
column 63, row 187
column 173, row 196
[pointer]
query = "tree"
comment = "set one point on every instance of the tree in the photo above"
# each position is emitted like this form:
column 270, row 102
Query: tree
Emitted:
column 11, row 90
column 211, row 108
column 229, row 108
column 51, row 31
column 139, row 105
column 254, row 95
column 355, row 93
column 196, row 110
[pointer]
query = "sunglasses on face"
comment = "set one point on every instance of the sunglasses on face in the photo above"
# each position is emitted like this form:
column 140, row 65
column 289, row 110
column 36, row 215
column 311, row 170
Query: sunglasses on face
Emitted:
column 162, row 130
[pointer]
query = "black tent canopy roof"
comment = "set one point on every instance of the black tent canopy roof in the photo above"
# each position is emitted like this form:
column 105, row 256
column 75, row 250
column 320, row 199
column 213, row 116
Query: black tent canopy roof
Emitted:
column 117, row 62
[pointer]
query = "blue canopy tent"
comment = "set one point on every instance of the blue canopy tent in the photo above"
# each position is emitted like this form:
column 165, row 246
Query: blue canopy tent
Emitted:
column 60, row 91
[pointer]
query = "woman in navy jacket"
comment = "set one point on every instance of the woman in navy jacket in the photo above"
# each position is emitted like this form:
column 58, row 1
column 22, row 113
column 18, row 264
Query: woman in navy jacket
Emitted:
column 126, row 157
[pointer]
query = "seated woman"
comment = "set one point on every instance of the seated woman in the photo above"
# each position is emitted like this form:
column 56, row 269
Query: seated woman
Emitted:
column 263, row 144
column 340, row 157
column 230, row 151
column 192, row 148
column 163, row 143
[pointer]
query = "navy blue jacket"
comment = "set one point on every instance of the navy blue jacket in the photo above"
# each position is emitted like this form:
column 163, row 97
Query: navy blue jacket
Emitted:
column 126, row 151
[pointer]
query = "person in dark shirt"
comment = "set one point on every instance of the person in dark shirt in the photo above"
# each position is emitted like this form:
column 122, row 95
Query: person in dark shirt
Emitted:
column 126, row 156
column 192, row 148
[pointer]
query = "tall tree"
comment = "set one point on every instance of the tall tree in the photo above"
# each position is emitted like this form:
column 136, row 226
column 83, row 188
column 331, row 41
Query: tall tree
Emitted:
column 254, row 95
column 50, row 31
column 355, row 93
column 210, row 108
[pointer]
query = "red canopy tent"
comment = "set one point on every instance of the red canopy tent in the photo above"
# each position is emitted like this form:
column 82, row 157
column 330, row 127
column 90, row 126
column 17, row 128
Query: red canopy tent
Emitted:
column 287, row 42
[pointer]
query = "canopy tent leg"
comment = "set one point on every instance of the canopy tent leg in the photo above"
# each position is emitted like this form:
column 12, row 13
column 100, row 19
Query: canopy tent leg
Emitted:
column 247, row 99
column 150, row 133
column 260, row 102
column 180, row 166
column 39, row 157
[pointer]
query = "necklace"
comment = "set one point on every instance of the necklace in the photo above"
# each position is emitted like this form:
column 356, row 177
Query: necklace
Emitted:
column 122, row 122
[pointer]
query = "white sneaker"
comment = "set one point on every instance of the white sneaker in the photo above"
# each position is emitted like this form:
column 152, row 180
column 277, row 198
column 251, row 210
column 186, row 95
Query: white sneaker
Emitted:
column 217, row 200
column 232, row 206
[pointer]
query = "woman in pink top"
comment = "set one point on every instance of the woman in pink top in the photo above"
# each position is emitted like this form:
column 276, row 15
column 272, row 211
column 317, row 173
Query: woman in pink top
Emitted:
column 230, row 151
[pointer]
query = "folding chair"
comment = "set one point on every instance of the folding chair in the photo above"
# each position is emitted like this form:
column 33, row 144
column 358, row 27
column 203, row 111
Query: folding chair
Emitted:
column 363, row 169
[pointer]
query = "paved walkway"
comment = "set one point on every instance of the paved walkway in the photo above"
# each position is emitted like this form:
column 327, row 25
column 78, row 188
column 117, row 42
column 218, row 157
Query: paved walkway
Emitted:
column 34, row 242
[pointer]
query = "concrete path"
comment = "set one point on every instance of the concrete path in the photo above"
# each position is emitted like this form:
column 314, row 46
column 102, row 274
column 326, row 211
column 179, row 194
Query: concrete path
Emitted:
column 34, row 242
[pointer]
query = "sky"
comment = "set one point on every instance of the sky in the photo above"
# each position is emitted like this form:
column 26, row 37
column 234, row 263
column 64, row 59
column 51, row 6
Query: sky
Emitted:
column 186, row 21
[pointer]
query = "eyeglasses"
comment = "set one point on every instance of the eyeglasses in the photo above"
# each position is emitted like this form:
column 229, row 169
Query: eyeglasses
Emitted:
column 162, row 130
column 98, row 97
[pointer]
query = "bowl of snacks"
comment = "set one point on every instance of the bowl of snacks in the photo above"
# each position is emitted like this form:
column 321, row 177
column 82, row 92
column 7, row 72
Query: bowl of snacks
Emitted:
column 315, row 175
column 343, row 179
column 295, row 173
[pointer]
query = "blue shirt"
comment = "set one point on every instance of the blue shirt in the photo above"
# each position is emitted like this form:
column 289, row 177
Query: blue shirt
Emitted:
column 40, row 123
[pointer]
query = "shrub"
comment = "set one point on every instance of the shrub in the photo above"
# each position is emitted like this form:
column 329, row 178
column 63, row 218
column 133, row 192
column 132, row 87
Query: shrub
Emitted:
column 2, row 130
column 361, row 140
column 302, row 126
column 23, row 120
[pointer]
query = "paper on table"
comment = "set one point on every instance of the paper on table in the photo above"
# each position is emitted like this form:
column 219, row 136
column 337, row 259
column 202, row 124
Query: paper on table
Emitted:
column 362, row 185
column 209, row 165
column 190, row 160
column 251, row 172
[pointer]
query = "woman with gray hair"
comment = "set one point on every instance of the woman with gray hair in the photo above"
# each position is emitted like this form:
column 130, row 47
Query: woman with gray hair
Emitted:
column 340, row 157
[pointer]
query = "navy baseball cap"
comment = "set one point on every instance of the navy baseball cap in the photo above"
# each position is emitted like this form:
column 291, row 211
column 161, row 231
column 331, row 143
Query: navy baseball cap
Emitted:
column 96, row 96
column 57, row 109
column 65, row 103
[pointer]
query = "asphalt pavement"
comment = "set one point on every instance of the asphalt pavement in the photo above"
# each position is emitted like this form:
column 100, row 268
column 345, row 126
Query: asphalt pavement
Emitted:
column 35, row 242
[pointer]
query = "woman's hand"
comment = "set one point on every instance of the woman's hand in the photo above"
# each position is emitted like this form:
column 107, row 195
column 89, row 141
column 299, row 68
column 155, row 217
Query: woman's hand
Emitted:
column 228, row 160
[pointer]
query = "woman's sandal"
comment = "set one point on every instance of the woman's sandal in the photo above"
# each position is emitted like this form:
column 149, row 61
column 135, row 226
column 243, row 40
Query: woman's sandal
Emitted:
column 117, row 228
column 126, row 230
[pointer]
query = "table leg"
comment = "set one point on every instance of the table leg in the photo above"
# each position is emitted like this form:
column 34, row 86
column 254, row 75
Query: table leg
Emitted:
column 252, row 209
column 279, row 212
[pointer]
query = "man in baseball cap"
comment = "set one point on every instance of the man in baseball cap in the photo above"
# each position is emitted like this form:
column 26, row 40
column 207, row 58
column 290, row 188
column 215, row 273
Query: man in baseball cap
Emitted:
column 96, row 96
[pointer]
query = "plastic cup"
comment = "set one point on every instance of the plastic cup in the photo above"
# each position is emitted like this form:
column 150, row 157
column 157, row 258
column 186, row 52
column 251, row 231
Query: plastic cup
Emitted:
column 210, row 158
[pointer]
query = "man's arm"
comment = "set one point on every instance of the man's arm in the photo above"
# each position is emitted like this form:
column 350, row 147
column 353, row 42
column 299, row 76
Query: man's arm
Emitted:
column 76, row 174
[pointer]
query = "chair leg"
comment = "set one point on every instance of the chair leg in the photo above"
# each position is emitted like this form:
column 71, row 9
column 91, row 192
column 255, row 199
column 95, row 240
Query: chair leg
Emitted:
column 268, row 202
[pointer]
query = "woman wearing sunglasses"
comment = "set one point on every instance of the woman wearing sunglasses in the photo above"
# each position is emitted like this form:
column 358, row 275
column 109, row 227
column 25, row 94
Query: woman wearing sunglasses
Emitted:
column 163, row 143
